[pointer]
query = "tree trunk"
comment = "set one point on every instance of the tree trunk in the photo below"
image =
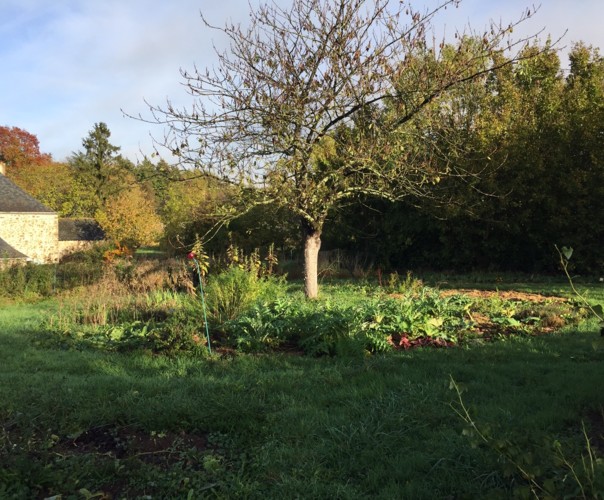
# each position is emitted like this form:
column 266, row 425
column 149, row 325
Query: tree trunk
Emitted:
column 312, row 244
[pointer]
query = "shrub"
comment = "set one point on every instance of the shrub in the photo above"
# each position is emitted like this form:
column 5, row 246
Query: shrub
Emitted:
column 329, row 330
column 28, row 281
column 181, row 332
column 43, row 280
column 233, row 291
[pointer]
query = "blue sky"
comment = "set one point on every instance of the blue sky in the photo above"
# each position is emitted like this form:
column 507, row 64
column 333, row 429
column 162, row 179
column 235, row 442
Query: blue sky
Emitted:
column 67, row 64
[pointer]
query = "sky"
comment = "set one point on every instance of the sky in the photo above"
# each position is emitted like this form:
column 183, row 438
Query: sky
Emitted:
column 68, row 64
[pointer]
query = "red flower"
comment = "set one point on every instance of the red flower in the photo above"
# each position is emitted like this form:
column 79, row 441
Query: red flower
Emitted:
column 191, row 255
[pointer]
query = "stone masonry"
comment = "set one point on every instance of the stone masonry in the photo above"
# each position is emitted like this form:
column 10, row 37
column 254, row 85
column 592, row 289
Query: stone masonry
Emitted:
column 27, row 226
column 33, row 234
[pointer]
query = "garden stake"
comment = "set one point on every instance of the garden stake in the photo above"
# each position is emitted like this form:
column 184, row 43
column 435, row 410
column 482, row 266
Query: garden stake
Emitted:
column 191, row 256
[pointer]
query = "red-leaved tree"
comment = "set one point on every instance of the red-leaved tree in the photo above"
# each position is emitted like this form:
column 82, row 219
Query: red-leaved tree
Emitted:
column 20, row 150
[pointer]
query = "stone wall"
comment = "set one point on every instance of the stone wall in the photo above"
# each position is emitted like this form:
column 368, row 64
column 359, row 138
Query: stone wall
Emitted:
column 68, row 247
column 34, row 234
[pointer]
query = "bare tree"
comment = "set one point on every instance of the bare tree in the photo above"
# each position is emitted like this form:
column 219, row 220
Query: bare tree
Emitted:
column 307, row 108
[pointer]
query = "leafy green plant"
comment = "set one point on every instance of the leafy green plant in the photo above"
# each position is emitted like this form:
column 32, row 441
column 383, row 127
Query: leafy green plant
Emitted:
column 318, row 328
column 265, row 325
column 180, row 333
column 331, row 328
column 326, row 329
column 415, row 315
column 125, row 336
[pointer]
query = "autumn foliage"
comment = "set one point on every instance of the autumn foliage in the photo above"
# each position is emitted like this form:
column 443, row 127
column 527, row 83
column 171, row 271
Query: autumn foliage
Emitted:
column 20, row 150
column 130, row 218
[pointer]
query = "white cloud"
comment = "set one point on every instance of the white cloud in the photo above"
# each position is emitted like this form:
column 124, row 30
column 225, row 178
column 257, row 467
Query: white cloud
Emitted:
column 67, row 64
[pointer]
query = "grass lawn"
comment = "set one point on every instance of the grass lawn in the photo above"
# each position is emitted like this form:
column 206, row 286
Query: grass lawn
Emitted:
column 91, row 424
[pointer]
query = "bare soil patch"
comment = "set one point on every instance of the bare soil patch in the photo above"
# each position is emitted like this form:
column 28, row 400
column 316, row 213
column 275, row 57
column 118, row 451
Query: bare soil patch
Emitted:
column 505, row 295
column 532, row 313
column 158, row 448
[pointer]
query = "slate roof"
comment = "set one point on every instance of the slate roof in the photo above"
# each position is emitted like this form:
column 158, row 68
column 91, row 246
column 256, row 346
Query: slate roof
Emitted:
column 8, row 252
column 14, row 199
column 80, row 230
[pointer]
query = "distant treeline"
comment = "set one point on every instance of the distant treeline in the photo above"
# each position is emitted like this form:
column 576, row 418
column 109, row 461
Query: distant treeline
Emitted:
column 537, row 138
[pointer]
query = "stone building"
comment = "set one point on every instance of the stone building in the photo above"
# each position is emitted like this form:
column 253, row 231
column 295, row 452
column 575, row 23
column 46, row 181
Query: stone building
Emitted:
column 31, row 232
column 26, row 226
column 78, row 234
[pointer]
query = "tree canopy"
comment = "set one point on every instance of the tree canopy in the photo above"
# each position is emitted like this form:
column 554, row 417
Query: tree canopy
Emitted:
column 311, row 105
column 20, row 150
column 99, row 168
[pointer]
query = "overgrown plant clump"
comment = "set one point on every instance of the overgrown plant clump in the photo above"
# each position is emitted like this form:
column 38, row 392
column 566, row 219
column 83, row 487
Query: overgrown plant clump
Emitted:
column 235, row 290
column 135, row 305
column 155, row 307
column 157, row 322
column 415, row 316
